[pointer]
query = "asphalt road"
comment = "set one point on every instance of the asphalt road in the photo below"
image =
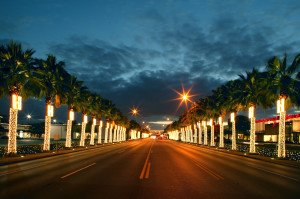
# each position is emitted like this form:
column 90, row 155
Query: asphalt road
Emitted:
column 148, row 169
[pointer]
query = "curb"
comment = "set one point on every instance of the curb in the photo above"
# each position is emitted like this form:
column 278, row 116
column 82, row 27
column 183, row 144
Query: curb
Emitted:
column 289, row 163
column 27, row 157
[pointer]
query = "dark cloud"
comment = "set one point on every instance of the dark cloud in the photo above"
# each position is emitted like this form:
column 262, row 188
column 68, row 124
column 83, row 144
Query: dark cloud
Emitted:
column 189, row 54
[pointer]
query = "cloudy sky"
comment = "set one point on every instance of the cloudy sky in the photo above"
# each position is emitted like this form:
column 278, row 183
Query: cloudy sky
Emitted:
column 135, row 52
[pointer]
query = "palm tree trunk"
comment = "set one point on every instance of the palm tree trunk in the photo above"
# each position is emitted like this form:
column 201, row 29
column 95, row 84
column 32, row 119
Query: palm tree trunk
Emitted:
column 205, row 134
column 195, row 134
column 46, row 146
column 252, row 131
column 115, row 134
column 192, row 133
column 200, row 132
column 100, row 133
column 68, row 134
column 82, row 137
column 233, row 135
column 212, row 134
column 92, row 140
column 110, row 133
column 187, row 137
column 221, row 144
column 106, row 133
column 12, row 131
column 118, row 134
column 281, row 137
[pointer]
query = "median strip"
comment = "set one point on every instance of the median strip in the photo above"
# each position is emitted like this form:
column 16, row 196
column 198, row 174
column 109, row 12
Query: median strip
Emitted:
column 77, row 171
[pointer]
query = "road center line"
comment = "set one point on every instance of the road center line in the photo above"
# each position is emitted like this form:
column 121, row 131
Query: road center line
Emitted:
column 77, row 171
column 146, row 163
column 148, row 171
column 278, row 174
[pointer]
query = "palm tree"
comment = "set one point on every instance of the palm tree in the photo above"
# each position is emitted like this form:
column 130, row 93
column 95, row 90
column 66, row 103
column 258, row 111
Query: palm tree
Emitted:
column 233, row 106
column 15, row 69
column 84, row 106
column 253, row 93
column 284, row 87
column 50, row 75
column 71, row 96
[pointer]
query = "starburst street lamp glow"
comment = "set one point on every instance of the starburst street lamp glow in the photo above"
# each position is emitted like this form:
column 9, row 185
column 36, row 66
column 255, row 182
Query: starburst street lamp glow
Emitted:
column 134, row 111
column 184, row 96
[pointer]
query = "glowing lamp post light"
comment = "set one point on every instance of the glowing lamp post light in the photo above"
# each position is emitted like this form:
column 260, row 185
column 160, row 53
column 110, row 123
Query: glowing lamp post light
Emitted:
column 71, row 115
column 69, row 127
column 281, row 135
column 16, row 105
column 252, row 129
column 16, row 102
column 50, row 110
column 233, row 137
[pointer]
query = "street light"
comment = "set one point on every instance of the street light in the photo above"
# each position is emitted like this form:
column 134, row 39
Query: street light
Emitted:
column 134, row 111
column 184, row 96
column 28, row 116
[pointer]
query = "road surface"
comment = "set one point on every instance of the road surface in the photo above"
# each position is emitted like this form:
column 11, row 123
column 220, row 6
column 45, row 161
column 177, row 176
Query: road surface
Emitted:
column 148, row 169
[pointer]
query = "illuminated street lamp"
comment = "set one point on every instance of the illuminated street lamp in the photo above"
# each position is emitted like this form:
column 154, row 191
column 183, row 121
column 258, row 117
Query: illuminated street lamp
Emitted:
column 134, row 111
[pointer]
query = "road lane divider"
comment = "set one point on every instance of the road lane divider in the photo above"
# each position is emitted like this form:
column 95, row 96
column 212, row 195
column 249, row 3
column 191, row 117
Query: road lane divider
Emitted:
column 77, row 170
column 271, row 172
column 148, row 171
column 146, row 166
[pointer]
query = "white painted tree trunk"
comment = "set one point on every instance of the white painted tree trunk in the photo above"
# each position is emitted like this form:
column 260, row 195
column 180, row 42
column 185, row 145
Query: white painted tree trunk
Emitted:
column 46, row 146
column 233, row 136
column 12, row 131
column 100, row 135
column 82, row 137
column 205, row 135
column 221, row 144
column 68, row 133
column 92, row 140
column 212, row 135
column 200, row 133
column 281, row 136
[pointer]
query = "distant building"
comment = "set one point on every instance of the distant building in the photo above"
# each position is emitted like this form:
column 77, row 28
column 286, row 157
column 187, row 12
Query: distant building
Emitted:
column 23, row 130
column 267, row 129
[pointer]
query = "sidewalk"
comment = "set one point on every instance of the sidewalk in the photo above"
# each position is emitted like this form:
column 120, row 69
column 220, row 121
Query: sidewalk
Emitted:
column 26, row 157
column 290, row 163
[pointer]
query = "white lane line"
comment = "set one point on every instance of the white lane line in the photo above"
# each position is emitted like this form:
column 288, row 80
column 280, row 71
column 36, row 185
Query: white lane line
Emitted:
column 77, row 171
column 278, row 174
